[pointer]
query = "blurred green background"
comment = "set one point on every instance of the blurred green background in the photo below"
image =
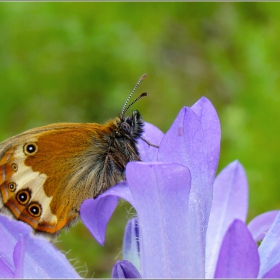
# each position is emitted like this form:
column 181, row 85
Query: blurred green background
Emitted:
column 78, row 62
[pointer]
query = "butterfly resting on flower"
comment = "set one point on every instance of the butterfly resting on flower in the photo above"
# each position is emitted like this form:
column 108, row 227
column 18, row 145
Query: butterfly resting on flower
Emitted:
column 47, row 172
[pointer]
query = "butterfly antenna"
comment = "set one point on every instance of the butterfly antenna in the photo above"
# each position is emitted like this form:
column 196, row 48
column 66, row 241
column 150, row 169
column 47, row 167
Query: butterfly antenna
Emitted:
column 139, row 97
column 136, row 86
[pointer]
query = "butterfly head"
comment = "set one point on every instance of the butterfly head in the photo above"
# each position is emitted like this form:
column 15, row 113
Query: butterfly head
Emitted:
column 130, row 126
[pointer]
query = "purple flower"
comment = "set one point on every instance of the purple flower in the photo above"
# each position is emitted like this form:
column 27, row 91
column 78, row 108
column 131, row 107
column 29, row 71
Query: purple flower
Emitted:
column 227, row 220
column 23, row 255
column 177, row 234
column 125, row 269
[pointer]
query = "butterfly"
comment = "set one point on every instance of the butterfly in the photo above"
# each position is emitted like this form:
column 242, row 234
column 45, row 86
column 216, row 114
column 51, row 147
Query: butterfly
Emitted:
column 47, row 172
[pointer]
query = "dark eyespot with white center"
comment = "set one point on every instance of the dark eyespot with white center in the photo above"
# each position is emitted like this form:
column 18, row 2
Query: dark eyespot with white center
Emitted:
column 30, row 149
column 34, row 209
column 12, row 186
column 23, row 196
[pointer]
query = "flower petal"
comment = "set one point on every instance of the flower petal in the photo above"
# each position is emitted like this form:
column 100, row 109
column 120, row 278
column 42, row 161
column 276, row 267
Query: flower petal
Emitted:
column 230, row 201
column 103, row 207
column 131, row 246
column 154, row 136
column 9, row 234
column 18, row 257
column 212, row 132
column 184, row 143
column 260, row 225
column 125, row 269
column 41, row 258
column 274, row 272
column 160, row 192
column 238, row 256
column 5, row 271
column 269, row 249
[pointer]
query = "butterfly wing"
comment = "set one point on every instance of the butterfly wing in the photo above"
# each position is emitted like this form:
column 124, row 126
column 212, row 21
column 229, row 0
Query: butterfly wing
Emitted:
column 46, row 173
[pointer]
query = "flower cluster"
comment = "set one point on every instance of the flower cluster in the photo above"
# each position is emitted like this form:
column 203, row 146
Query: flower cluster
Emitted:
column 189, row 224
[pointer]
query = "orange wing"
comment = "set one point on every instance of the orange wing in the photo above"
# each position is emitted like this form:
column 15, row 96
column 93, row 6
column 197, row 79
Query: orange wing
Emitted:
column 47, row 172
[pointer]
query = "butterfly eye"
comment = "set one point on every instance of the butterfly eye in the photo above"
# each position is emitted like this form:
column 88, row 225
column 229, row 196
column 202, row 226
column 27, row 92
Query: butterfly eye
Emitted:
column 34, row 209
column 125, row 127
column 30, row 149
column 14, row 167
column 23, row 196
column 12, row 186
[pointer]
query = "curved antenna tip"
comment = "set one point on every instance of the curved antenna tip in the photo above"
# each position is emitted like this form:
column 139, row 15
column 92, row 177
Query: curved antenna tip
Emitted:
column 143, row 77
